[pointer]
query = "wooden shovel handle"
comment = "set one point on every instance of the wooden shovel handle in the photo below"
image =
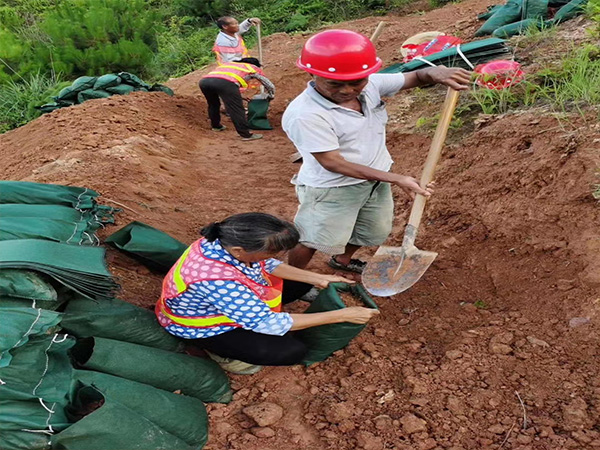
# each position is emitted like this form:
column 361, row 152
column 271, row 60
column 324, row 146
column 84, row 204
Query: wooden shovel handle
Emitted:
column 433, row 156
column 377, row 32
column 260, row 54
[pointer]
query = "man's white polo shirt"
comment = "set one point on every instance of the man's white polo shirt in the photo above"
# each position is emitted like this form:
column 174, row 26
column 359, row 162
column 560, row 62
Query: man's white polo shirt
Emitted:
column 315, row 124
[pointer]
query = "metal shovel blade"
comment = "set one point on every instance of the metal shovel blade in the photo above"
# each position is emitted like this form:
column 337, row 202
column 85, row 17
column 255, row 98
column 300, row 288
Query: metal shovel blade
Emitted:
column 395, row 269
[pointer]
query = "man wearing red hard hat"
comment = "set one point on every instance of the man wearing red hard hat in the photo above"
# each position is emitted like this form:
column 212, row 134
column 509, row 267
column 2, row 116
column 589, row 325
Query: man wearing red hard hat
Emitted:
column 338, row 126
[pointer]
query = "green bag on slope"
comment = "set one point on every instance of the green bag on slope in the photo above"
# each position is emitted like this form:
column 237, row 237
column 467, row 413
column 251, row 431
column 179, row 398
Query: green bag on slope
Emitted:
column 518, row 28
column 509, row 13
column 112, row 426
column 180, row 415
column 197, row 377
column 84, row 317
column 154, row 248
column 324, row 340
column 570, row 11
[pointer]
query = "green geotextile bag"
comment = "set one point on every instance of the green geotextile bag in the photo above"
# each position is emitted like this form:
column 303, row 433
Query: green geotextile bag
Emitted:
column 24, row 425
column 518, row 28
column 133, row 80
column 76, row 232
column 41, row 369
column 569, row 11
column 112, row 426
column 57, row 212
column 106, row 81
column 257, row 114
column 84, row 318
column 162, row 88
column 46, row 194
column 154, row 248
column 19, row 325
column 196, row 377
column 324, row 340
column 509, row 13
column 91, row 94
column 535, row 9
column 81, row 268
column 180, row 415
column 489, row 13
column 121, row 89
column 25, row 284
column 476, row 52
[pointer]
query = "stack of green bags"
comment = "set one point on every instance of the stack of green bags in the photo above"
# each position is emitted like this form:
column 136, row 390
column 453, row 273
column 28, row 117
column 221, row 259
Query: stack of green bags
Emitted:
column 518, row 16
column 86, row 88
column 477, row 52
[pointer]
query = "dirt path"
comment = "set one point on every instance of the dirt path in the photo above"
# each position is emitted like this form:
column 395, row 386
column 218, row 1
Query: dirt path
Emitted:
column 485, row 340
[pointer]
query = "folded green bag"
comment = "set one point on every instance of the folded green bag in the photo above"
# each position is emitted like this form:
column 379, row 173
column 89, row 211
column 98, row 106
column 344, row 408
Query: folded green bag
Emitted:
column 257, row 114
column 46, row 194
column 112, row 426
column 154, row 248
column 76, row 232
column 180, row 415
column 24, row 425
column 84, row 317
column 91, row 94
column 324, row 340
column 19, row 325
column 26, row 284
column 197, row 377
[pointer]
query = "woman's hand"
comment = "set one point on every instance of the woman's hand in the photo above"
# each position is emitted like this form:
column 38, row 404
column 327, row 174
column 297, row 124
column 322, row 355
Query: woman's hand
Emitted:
column 323, row 280
column 357, row 314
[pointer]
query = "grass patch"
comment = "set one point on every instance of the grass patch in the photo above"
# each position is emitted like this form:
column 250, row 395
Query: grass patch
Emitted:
column 18, row 99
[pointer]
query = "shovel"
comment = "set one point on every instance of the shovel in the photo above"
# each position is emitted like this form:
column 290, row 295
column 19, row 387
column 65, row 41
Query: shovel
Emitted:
column 395, row 269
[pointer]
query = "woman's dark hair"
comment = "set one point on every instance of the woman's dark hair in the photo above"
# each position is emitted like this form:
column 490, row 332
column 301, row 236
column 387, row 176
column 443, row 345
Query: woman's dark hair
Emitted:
column 254, row 232
column 253, row 61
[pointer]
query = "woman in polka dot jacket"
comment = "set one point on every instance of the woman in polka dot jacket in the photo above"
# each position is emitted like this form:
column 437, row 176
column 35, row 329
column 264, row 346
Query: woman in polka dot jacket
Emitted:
column 226, row 292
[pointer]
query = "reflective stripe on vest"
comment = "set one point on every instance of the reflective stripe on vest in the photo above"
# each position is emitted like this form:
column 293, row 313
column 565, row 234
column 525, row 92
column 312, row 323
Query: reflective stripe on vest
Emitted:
column 270, row 295
column 234, row 74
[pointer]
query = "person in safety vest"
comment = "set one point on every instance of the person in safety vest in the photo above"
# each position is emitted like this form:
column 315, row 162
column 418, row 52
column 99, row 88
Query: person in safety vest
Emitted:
column 227, row 289
column 338, row 125
column 229, row 45
column 226, row 82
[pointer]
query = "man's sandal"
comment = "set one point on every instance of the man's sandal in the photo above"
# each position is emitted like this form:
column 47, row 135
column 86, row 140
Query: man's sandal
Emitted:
column 355, row 265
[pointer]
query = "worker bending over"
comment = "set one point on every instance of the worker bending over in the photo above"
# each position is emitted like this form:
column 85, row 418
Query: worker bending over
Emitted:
column 225, row 83
column 226, row 291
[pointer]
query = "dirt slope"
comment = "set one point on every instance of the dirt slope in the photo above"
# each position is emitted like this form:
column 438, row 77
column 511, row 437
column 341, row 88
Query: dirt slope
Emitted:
column 449, row 362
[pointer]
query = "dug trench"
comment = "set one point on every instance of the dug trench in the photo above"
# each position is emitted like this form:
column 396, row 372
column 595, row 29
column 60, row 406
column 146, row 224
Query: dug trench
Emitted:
column 495, row 347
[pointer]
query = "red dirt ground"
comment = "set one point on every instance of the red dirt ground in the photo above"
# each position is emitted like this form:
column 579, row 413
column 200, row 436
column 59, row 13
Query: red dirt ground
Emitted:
column 480, row 354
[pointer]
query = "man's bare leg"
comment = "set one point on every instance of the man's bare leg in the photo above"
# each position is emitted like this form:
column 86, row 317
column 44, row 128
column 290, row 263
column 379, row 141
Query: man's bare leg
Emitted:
column 345, row 257
column 300, row 256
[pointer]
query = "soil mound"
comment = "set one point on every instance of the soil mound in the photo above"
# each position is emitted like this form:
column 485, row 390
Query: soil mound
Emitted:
column 496, row 346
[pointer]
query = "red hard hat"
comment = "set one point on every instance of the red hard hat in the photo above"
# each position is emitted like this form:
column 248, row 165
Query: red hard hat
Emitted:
column 339, row 55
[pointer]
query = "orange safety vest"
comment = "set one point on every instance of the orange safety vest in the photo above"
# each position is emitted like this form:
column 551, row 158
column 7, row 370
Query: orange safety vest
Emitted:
column 240, row 48
column 193, row 267
column 234, row 72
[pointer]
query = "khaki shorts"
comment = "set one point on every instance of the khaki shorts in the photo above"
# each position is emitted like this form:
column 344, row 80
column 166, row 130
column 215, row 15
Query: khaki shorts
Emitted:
column 330, row 218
